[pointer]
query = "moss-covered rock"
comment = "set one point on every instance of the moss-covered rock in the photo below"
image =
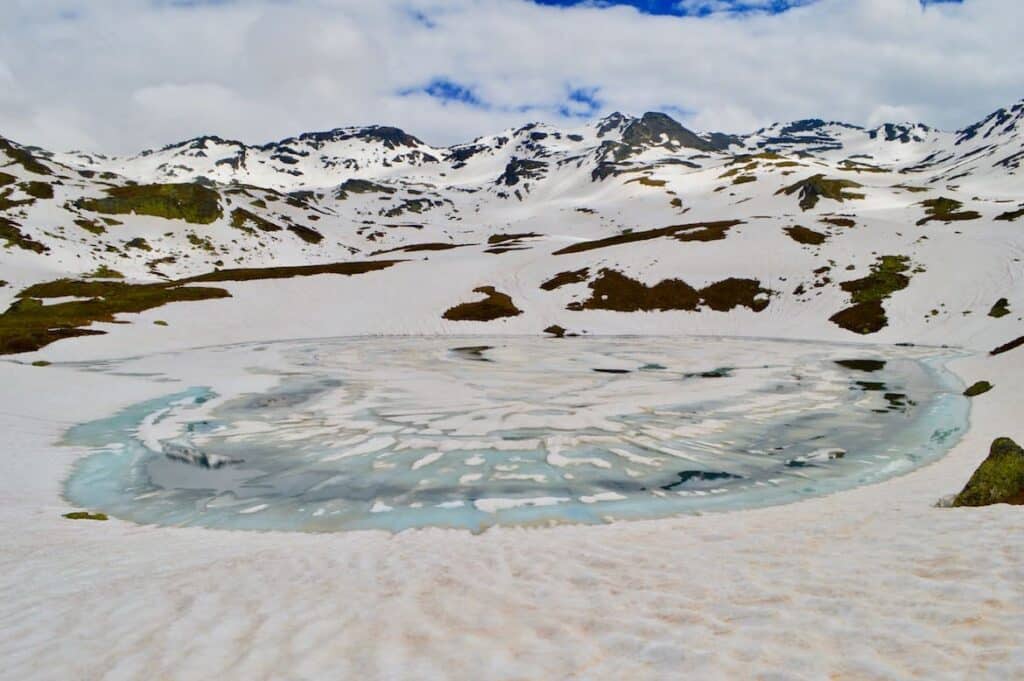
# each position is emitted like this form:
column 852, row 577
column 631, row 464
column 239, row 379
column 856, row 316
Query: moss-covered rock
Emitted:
column 979, row 388
column 191, row 202
column 85, row 515
column 1000, row 309
column 999, row 479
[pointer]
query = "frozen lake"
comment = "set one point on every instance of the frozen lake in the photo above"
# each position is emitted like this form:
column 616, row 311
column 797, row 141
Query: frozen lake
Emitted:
column 395, row 433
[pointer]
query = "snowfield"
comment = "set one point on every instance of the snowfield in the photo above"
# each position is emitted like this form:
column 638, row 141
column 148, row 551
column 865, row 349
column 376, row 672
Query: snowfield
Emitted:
column 871, row 583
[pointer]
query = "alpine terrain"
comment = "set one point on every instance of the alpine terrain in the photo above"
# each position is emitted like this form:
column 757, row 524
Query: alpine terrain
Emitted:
column 810, row 229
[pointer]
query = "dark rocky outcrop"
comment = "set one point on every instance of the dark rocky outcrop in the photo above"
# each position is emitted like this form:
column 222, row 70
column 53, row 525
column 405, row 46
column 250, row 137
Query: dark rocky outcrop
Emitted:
column 519, row 169
column 658, row 129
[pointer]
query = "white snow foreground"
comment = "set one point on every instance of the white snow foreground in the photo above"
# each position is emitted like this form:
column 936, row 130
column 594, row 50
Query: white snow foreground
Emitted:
column 871, row 583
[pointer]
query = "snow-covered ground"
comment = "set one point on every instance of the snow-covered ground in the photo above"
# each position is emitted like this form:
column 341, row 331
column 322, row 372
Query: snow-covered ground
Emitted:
column 870, row 583
column 874, row 582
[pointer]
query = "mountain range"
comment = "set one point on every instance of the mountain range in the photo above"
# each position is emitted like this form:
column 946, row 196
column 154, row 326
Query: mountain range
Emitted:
column 626, row 224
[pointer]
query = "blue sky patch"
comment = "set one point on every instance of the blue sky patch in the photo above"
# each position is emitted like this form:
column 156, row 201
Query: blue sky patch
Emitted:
column 578, row 102
column 447, row 90
column 700, row 8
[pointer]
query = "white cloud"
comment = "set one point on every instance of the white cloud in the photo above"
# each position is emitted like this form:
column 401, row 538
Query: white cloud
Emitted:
column 118, row 76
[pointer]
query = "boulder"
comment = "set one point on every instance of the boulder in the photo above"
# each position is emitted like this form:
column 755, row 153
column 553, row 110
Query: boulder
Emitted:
column 999, row 479
column 979, row 388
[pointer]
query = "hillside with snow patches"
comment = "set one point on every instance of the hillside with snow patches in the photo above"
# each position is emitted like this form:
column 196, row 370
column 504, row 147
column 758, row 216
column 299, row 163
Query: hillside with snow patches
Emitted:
column 812, row 229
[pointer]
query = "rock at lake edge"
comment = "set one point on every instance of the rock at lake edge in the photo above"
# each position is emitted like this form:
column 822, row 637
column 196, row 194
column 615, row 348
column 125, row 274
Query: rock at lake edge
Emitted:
column 999, row 479
column 979, row 388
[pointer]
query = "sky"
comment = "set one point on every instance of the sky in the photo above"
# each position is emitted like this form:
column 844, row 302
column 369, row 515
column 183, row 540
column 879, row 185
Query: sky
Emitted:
column 119, row 76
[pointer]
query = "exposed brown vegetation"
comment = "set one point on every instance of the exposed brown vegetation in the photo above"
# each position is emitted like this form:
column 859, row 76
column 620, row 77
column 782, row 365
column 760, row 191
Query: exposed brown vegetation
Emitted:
column 252, row 274
column 495, row 306
column 495, row 239
column 839, row 222
column 29, row 324
column 816, row 187
column 647, row 181
column 246, row 220
column 696, row 231
column 11, row 235
column 1011, row 215
column 863, row 318
column 416, row 248
column 946, row 210
column 191, row 202
column 734, row 292
column 565, row 278
column 803, row 235
column 307, row 234
column 867, row 315
column 1006, row 347
column 612, row 290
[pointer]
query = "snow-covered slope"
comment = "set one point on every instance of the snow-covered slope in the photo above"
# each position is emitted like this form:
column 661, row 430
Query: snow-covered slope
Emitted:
column 902, row 232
